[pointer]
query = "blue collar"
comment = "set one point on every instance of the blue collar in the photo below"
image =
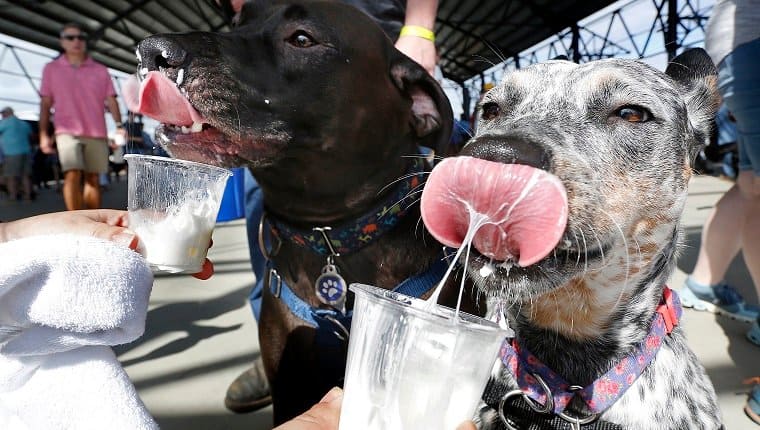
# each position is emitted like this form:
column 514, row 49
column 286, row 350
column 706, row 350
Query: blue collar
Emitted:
column 414, row 286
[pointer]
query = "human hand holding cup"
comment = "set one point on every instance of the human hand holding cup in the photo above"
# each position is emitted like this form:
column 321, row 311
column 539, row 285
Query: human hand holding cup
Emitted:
column 172, row 207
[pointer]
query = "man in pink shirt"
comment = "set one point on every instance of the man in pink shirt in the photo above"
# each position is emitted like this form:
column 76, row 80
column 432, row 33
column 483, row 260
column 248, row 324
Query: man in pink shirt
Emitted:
column 79, row 89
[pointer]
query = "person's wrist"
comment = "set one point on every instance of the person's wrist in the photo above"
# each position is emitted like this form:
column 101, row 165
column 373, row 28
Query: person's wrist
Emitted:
column 418, row 31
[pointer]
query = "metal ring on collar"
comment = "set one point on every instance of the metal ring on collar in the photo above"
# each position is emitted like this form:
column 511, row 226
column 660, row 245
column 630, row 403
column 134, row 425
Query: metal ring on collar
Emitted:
column 272, row 274
column 537, row 407
column 262, row 245
column 342, row 336
column 577, row 422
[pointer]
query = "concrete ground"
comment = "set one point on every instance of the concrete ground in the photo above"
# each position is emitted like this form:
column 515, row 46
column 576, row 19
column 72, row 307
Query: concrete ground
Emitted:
column 201, row 334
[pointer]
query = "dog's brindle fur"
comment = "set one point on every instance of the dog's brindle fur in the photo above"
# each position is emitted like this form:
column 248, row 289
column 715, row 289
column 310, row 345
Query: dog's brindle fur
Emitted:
column 314, row 98
column 587, row 304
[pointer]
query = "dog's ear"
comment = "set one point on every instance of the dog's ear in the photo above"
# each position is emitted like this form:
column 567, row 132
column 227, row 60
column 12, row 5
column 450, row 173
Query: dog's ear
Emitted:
column 432, row 117
column 697, row 78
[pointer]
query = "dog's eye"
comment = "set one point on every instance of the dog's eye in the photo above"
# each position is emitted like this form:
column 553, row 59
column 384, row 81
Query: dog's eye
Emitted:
column 301, row 39
column 634, row 114
column 490, row 111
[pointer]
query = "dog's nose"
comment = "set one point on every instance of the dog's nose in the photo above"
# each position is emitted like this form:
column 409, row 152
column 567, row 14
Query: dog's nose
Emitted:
column 160, row 52
column 510, row 149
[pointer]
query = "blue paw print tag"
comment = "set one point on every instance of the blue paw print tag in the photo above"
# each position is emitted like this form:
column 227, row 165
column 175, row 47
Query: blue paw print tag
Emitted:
column 331, row 288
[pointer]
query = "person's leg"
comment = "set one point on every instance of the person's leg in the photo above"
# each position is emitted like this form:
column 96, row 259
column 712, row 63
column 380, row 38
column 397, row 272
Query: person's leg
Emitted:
column 254, row 210
column 26, row 177
column 725, row 232
column 11, row 182
column 750, row 185
column 721, row 238
column 96, row 163
column 91, row 195
column 12, row 170
column 739, row 79
column 71, row 156
column 26, row 186
column 72, row 189
column 250, row 390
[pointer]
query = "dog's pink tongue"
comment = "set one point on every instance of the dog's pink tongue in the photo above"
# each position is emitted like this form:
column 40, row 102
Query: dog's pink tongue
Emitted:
column 160, row 99
column 526, row 208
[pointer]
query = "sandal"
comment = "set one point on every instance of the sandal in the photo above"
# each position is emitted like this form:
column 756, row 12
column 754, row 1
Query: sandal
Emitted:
column 753, row 335
column 752, row 408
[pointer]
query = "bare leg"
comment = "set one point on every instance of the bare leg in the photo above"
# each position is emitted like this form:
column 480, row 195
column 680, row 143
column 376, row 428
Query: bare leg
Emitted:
column 749, row 184
column 26, row 185
column 92, row 190
column 721, row 238
column 72, row 189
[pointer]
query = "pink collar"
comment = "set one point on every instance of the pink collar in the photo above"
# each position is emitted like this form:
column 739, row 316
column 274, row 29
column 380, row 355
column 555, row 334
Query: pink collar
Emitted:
column 605, row 390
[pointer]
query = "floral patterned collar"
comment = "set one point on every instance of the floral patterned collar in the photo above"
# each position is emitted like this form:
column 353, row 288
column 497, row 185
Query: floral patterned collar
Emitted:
column 606, row 389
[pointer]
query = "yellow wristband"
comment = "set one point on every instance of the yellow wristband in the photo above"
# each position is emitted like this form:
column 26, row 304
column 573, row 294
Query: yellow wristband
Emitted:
column 416, row 30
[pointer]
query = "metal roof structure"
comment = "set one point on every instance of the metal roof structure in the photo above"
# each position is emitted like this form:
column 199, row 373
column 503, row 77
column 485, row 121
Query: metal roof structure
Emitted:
column 472, row 35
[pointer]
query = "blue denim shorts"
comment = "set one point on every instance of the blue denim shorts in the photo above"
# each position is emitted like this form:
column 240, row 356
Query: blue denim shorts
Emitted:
column 739, row 84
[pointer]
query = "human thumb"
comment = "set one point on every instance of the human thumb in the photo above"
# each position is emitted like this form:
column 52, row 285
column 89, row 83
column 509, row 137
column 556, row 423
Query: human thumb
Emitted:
column 119, row 235
column 467, row 425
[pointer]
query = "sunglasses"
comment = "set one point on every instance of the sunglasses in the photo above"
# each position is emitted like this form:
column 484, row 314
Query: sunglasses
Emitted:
column 74, row 36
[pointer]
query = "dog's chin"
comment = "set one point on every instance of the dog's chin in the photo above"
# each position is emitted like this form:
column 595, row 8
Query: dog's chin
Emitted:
column 211, row 146
column 518, row 284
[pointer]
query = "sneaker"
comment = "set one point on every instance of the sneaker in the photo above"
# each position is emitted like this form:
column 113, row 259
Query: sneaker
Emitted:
column 752, row 408
column 720, row 298
column 249, row 392
column 753, row 335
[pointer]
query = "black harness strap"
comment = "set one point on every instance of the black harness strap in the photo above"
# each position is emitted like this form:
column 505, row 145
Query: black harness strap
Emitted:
column 524, row 417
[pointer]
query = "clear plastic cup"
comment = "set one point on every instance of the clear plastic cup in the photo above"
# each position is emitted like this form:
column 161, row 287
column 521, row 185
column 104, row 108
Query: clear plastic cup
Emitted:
column 410, row 367
column 172, row 207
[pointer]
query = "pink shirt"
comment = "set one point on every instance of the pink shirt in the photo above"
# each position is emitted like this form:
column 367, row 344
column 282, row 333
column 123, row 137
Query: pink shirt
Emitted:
column 79, row 95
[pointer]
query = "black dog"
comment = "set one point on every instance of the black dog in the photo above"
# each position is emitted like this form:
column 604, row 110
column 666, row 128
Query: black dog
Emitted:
column 328, row 115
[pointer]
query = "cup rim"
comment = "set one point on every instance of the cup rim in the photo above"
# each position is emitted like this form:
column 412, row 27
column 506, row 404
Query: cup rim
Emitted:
column 388, row 296
column 179, row 161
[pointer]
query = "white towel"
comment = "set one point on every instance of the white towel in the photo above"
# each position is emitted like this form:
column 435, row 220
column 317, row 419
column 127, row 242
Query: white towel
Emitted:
column 64, row 300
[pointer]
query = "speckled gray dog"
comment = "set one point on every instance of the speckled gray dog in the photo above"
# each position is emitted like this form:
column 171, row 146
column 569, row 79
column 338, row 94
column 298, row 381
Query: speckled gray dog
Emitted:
column 620, row 136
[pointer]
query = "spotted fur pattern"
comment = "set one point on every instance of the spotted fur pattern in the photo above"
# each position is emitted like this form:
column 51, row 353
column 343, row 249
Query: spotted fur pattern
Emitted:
column 587, row 304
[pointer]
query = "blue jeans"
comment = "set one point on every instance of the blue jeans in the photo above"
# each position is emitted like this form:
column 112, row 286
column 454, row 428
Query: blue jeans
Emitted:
column 739, row 84
column 254, row 209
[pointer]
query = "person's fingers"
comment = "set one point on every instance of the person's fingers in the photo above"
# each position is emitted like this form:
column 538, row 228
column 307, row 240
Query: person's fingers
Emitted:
column 322, row 416
column 107, row 216
column 467, row 425
column 206, row 272
column 107, row 224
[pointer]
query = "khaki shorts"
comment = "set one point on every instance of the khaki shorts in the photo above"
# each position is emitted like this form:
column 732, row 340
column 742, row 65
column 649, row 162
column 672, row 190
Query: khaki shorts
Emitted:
column 89, row 154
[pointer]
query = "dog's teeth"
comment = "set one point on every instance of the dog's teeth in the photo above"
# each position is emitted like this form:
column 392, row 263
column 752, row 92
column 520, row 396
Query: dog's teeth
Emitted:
column 144, row 72
column 196, row 127
column 185, row 130
column 266, row 101
column 137, row 54
column 164, row 54
column 180, row 76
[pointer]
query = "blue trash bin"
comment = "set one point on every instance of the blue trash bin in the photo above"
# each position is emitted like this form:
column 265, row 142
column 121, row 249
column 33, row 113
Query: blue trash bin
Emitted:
column 233, row 200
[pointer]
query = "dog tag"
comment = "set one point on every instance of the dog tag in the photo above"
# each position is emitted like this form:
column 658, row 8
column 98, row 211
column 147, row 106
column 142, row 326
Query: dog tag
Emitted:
column 331, row 288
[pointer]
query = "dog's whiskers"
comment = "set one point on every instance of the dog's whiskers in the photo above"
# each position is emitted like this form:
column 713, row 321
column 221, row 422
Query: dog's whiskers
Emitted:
column 627, row 258
column 401, row 178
